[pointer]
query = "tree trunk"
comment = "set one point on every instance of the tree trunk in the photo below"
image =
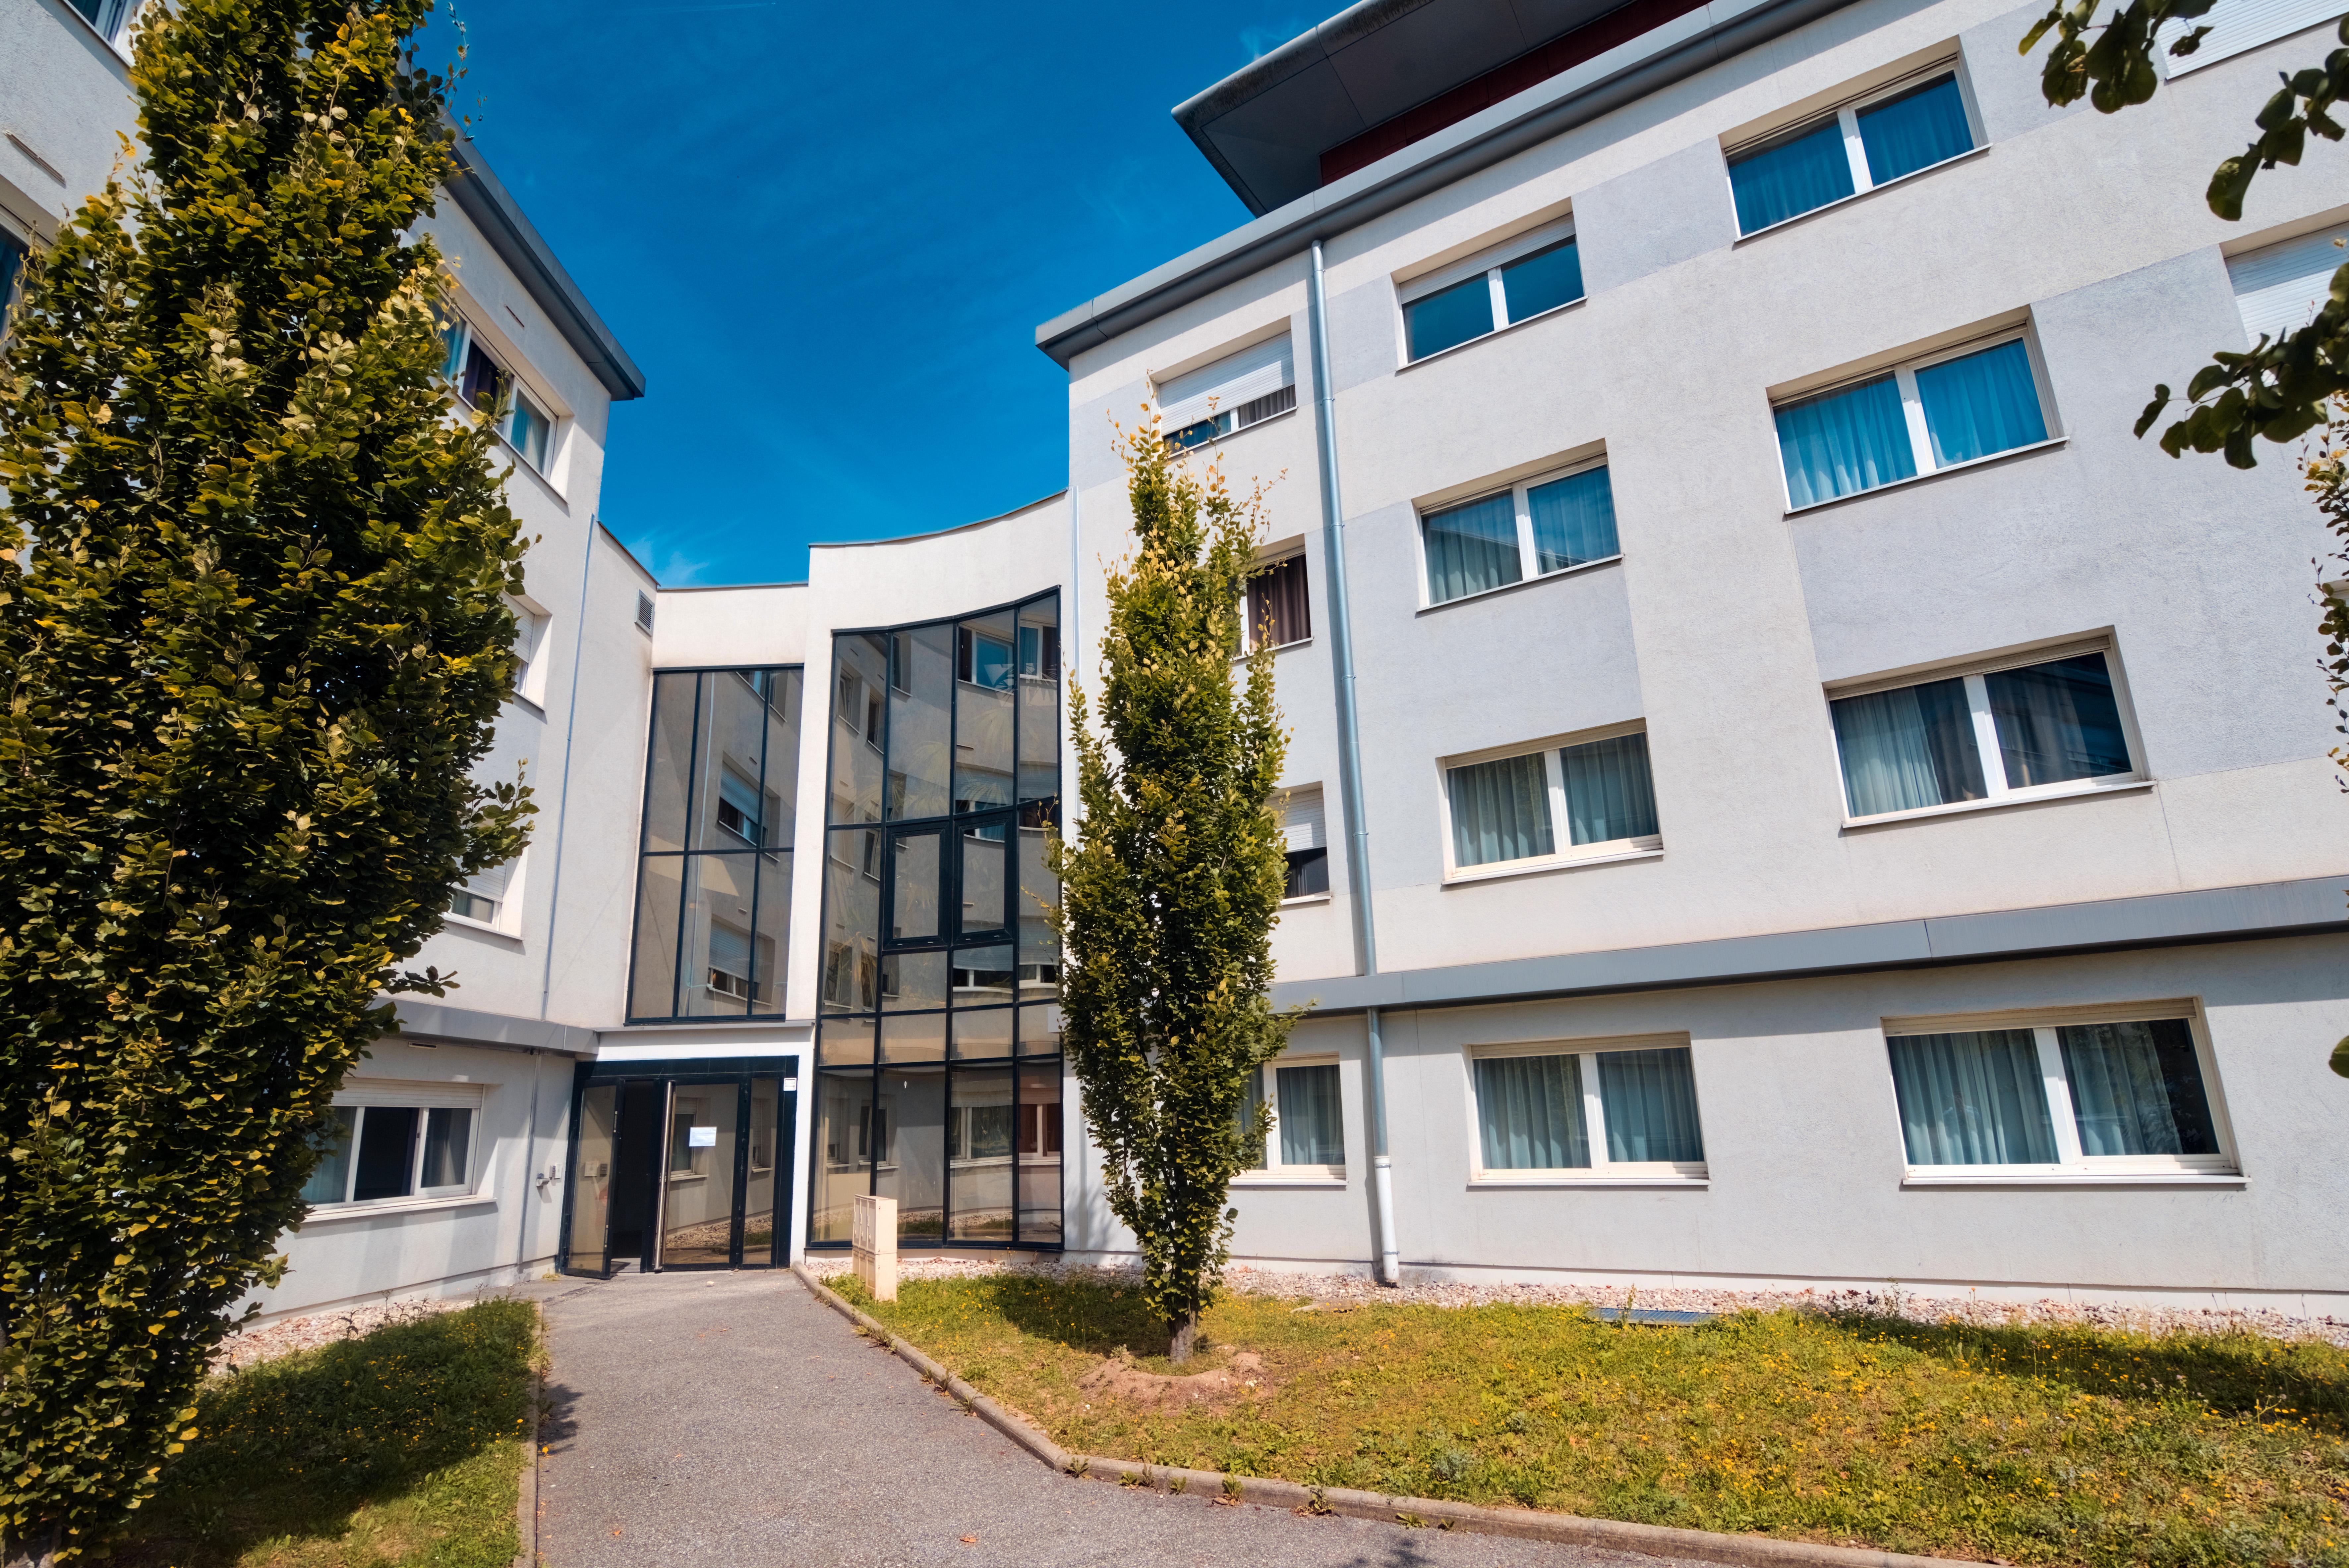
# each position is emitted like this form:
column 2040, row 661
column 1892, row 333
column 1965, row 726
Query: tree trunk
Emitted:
column 1185, row 1337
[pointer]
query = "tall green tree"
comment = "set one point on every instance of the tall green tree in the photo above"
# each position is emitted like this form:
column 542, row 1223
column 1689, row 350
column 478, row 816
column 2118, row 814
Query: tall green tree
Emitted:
column 251, row 652
column 1171, row 888
column 2279, row 391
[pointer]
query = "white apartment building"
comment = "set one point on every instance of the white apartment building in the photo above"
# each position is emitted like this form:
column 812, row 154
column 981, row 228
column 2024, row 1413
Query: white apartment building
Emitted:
column 1786, row 789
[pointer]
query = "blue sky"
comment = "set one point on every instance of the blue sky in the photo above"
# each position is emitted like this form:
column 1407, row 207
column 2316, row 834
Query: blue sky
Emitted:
column 827, row 235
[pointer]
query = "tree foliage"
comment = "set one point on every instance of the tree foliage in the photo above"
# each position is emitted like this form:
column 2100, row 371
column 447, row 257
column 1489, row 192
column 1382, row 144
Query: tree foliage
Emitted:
column 251, row 656
column 1171, row 887
column 2281, row 390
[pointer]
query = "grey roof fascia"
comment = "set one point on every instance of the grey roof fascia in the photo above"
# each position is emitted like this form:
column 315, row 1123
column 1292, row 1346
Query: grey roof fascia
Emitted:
column 1654, row 60
column 439, row 1023
column 481, row 198
column 2312, row 905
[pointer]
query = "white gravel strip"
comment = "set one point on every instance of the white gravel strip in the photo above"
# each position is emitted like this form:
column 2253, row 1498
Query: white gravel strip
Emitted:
column 245, row 1346
column 1342, row 1291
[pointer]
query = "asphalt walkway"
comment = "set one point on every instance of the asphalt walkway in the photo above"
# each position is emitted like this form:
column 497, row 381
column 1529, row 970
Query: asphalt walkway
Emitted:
column 733, row 1419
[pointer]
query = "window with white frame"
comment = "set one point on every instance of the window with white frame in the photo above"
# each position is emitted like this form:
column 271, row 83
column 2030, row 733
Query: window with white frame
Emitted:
column 1530, row 275
column 1294, row 1109
column 1278, row 612
column 1305, row 833
column 2279, row 288
column 108, row 17
column 2237, row 26
column 485, row 384
column 384, row 1146
column 1588, row 1108
column 12, row 252
column 1552, row 804
column 1536, row 528
column 483, row 897
column 2125, row 1090
column 1939, row 412
column 2052, row 722
column 1886, row 135
column 1240, row 390
column 530, row 639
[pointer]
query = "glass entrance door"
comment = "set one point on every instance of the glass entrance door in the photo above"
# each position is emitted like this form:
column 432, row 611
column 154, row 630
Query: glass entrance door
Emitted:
column 591, row 1177
column 688, row 1171
column 701, row 1188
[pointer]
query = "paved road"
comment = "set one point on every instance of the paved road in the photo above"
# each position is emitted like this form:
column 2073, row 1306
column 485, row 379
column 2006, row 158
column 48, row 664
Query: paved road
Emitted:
column 732, row 1419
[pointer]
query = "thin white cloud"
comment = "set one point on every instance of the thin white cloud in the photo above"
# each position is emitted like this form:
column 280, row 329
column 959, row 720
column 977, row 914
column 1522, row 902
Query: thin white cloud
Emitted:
column 1261, row 41
column 671, row 567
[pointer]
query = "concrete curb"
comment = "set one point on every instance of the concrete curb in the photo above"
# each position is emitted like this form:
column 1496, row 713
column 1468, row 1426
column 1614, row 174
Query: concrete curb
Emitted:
column 526, row 1499
column 1565, row 1529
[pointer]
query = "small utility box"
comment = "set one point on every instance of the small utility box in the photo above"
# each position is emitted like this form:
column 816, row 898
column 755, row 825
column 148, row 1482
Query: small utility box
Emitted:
column 874, row 1232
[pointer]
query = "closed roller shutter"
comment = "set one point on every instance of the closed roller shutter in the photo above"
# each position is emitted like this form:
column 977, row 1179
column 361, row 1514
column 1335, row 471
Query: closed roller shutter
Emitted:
column 2277, row 288
column 2236, row 26
column 1228, row 384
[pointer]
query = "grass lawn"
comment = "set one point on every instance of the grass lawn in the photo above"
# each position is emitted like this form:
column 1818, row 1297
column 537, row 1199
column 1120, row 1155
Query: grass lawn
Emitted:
column 2033, row 1445
column 403, row 1446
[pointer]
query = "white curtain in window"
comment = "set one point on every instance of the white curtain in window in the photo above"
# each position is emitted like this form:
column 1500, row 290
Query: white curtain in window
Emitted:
column 1972, row 1098
column 1529, row 1113
column 2137, row 1088
column 1312, row 1128
column 1908, row 747
column 1980, row 403
column 1609, row 793
column 1649, row 1098
column 1844, row 442
column 1500, row 811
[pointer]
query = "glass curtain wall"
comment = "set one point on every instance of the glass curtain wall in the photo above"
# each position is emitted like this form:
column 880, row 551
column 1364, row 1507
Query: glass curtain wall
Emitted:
column 714, row 881
column 940, row 1032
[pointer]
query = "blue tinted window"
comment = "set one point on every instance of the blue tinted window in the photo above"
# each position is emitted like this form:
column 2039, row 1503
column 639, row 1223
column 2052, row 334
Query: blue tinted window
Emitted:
column 1919, row 128
column 1844, row 442
column 1793, row 177
column 1543, row 281
column 1473, row 548
column 1574, row 520
column 1980, row 403
column 1451, row 317
column 2058, row 722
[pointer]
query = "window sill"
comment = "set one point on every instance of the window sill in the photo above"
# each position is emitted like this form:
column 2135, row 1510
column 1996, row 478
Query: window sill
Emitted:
column 466, row 923
column 1305, row 899
column 323, row 1213
column 1842, row 202
column 1219, row 441
column 1483, row 594
column 1998, row 803
column 526, row 466
column 2225, row 1180
column 1283, row 1179
column 678, row 1177
column 1242, row 656
column 1694, row 1183
column 1969, row 464
column 1556, row 864
column 1496, row 332
column 528, row 706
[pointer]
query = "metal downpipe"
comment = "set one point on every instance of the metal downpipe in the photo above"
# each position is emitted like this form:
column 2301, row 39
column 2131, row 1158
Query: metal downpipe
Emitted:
column 1349, row 749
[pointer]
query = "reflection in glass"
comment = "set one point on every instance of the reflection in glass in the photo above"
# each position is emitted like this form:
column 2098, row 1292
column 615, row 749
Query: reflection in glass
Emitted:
column 739, row 803
column 1037, row 1149
column 670, row 761
column 913, row 980
column 914, row 1037
column 591, row 1176
column 921, row 695
column 758, row 1236
column 387, row 1153
column 979, row 1155
column 1039, row 892
column 771, row 936
column 845, row 1042
column 1039, row 1030
column 330, row 1179
column 984, row 1033
column 851, row 981
column 982, row 976
column 719, row 955
column 698, row 1200
column 860, row 684
column 448, row 1148
column 1039, row 699
column 984, row 845
column 913, row 902
column 661, row 886
column 909, row 1152
column 843, row 1137
column 983, row 704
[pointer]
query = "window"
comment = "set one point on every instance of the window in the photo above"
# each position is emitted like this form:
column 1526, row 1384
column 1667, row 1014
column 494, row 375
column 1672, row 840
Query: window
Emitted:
column 1506, row 813
column 2238, row 26
column 1302, row 1122
column 2124, row 1091
column 1278, row 612
column 1528, row 276
column 2019, row 730
column 1870, row 142
column 1536, row 529
column 1613, row 1108
column 1936, row 413
column 107, row 16
column 2279, row 288
column 487, row 385
column 373, row 1153
column 1234, row 392
column 483, row 897
column 1307, row 836
column 530, row 637
column 12, row 252
column 714, row 868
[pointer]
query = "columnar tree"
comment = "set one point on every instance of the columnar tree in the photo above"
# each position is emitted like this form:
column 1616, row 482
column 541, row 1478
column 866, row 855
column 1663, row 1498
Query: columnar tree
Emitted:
column 252, row 642
column 1172, row 886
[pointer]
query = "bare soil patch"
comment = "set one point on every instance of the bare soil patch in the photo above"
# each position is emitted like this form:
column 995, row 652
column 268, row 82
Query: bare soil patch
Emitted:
column 1239, row 1380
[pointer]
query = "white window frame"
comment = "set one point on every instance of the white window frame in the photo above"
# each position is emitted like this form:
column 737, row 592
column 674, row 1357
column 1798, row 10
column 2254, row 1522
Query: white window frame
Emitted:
column 1601, row 1171
column 532, row 622
column 1281, row 797
column 1225, row 416
column 422, row 1098
column 1912, row 408
column 1566, row 854
column 1273, row 1172
column 1491, row 262
column 1276, row 556
column 113, row 25
column 522, row 391
column 505, row 912
column 2070, row 1164
column 1846, row 116
column 1985, row 729
column 1528, row 555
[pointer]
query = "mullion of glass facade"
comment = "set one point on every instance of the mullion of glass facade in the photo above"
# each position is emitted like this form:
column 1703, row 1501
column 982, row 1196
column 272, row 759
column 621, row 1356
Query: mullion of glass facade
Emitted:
column 938, row 1034
column 713, row 881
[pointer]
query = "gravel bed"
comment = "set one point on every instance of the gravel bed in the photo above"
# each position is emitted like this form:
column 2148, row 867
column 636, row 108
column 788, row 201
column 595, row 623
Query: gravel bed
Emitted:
column 1341, row 1292
column 245, row 1346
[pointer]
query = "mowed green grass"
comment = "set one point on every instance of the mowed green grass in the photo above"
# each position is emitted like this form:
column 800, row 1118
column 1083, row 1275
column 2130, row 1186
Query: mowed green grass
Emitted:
column 2033, row 1445
column 405, row 1446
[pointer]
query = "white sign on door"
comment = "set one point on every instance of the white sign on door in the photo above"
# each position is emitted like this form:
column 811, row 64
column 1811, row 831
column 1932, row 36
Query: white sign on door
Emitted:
column 701, row 1137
